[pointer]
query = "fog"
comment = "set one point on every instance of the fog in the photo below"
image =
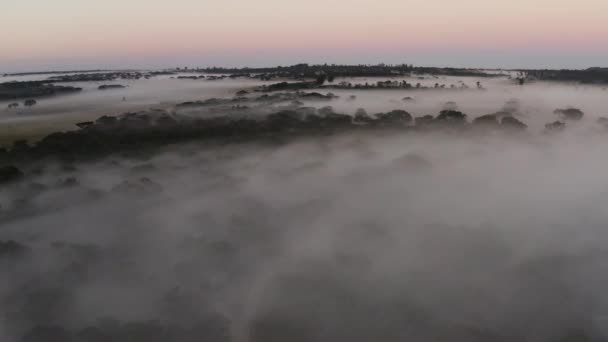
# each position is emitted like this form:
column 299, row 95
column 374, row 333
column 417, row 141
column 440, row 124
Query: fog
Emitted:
column 160, row 91
column 347, row 237
column 384, row 235
column 537, row 100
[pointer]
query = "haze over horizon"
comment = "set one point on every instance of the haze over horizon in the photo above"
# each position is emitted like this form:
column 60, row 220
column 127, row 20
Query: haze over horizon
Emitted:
column 71, row 34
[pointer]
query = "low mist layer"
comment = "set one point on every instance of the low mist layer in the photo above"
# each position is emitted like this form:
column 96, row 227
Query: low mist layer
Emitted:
column 349, row 237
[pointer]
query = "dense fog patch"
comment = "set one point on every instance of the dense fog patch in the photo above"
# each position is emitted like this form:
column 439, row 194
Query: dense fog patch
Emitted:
column 432, row 236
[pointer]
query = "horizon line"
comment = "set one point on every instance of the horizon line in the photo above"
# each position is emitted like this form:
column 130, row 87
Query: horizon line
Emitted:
column 188, row 68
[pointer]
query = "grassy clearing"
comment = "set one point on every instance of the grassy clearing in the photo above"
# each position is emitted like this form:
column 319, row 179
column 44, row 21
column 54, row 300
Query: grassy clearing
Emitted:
column 33, row 130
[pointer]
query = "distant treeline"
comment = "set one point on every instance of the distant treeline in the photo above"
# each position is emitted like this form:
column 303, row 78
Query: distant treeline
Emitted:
column 591, row 75
column 150, row 129
column 18, row 90
column 361, row 70
column 51, row 72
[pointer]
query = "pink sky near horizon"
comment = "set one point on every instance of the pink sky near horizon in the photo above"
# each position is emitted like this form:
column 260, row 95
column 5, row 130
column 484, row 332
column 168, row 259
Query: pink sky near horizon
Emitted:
column 36, row 31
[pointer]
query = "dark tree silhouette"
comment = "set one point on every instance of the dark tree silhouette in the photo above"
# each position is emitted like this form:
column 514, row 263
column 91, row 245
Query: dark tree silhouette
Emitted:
column 29, row 102
column 569, row 113
column 321, row 79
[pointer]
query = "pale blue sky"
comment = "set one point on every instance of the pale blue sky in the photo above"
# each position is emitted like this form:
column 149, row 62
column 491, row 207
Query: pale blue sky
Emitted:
column 74, row 34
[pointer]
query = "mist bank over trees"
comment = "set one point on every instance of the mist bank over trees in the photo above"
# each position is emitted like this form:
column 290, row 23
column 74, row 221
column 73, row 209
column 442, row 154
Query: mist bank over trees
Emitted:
column 234, row 121
column 49, row 87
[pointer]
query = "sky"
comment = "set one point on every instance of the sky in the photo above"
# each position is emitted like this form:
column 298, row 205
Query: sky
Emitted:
column 77, row 34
